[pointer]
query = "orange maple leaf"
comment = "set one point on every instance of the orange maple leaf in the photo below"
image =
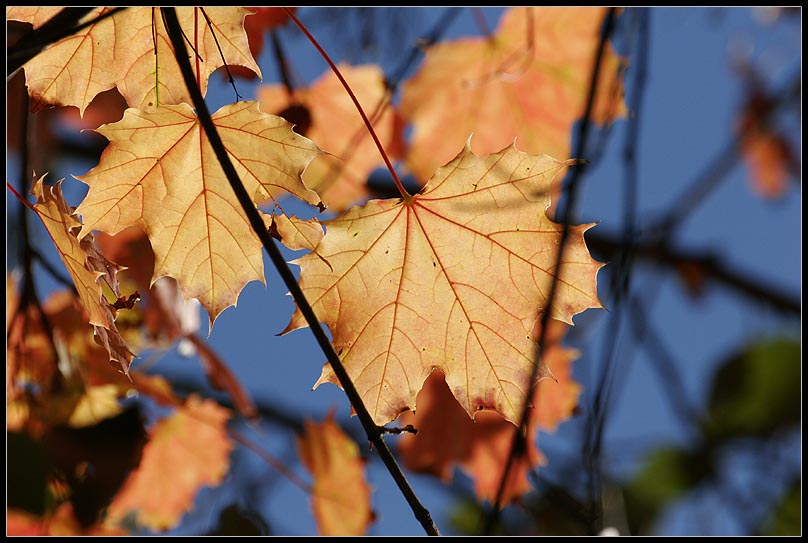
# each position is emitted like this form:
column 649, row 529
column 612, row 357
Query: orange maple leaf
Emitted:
column 192, row 444
column 131, row 50
column 481, row 447
column 160, row 173
column 340, row 495
column 86, row 266
column 453, row 279
column 527, row 81
column 336, row 127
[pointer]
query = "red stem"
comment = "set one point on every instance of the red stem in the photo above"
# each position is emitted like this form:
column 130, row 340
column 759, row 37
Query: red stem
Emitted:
column 404, row 194
column 20, row 198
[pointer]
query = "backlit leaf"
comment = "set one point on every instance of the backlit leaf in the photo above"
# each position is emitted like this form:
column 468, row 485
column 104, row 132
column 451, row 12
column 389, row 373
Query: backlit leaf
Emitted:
column 192, row 444
column 131, row 50
column 159, row 173
column 86, row 272
column 528, row 81
column 340, row 495
column 454, row 279
column 480, row 447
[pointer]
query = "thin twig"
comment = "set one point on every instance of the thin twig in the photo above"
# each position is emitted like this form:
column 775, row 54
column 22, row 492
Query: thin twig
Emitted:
column 707, row 263
column 221, row 54
column 239, row 437
column 661, row 361
column 28, row 297
column 596, row 421
column 283, row 65
column 336, row 168
column 479, row 19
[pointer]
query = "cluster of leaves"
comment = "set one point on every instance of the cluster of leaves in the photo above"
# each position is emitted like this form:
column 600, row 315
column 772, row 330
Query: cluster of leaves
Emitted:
column 433, row 301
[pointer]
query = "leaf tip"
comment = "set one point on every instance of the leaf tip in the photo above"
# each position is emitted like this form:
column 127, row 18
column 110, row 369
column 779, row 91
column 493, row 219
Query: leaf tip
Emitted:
column 467, row 147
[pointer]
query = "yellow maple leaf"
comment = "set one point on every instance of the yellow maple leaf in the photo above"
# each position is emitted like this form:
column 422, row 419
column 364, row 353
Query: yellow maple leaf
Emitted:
column 192, row 446
column 527, row 81
column 454, row 279
column 62, row 226
column 160, row 173
column 130, row 50
column 340, row 495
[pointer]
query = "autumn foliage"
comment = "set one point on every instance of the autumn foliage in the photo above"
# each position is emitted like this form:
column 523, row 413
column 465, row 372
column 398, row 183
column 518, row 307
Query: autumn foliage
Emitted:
column 432, row 299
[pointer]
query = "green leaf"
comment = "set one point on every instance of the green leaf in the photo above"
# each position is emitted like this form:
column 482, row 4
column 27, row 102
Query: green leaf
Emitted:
column 756, row 392
column 667, row 475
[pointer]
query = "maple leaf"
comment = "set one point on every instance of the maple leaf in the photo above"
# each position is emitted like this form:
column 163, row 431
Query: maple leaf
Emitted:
column 193, row 444
column 160, row 173
column 532, row 76
column 131, row 50
column 481, row 447
column 336, row 127
column 340, row 495
column 454, row 279
column 85, row 266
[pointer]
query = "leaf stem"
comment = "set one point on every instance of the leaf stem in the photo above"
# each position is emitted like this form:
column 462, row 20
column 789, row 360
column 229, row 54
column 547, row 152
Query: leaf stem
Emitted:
column 276, row 464
column 373, row 433
column 404, row 194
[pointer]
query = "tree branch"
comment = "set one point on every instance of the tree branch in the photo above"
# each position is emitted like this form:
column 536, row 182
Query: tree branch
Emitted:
column 707, row 263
